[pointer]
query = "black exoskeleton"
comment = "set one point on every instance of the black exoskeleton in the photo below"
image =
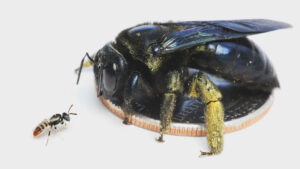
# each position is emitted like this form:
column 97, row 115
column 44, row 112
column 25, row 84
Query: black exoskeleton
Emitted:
column 160, row 69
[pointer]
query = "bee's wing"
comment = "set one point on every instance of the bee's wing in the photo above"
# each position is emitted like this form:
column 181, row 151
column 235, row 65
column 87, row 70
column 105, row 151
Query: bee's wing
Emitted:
column 193, row 33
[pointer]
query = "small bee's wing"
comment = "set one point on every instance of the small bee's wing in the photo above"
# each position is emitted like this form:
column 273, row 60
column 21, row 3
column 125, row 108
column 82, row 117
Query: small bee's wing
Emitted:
column 189, row 34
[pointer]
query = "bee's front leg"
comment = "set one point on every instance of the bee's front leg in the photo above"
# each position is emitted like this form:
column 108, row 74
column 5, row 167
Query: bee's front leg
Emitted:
column 174, row 87
column 201, row 86
column 138, row 96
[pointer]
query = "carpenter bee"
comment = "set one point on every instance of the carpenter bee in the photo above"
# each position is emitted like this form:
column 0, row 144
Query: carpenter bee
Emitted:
column 187, row 78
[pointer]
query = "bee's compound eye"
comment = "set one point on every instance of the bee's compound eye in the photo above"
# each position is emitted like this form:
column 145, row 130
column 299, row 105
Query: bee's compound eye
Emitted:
column 109, row 78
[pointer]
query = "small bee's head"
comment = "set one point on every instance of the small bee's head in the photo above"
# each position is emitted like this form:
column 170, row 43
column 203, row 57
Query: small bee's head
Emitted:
column 110, row 70
column 66, row 116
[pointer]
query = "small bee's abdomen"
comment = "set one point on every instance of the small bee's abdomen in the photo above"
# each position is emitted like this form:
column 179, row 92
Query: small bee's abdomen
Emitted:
column 41, row 127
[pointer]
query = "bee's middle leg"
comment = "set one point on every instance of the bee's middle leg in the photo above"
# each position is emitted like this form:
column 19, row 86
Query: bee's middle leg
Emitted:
column 169, row 100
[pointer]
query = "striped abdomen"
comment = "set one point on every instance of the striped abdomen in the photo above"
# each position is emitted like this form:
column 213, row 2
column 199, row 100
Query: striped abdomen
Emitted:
column 41, row 127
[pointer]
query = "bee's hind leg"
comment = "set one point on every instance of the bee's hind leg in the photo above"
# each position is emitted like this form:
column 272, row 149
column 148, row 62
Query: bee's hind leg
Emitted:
column 201, row 86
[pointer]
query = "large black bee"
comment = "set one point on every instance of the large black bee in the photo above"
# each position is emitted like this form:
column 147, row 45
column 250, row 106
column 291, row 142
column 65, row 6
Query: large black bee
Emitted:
column 187, row 78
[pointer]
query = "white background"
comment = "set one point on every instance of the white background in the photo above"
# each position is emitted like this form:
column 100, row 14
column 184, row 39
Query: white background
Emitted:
column 41, row 43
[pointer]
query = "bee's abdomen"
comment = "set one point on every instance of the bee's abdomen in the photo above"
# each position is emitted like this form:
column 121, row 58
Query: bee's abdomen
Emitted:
column 238, row 60
column 41, row 127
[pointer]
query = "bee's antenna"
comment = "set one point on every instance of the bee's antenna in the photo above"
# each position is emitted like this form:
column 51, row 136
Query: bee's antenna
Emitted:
column 70, row 109
column 81, row 66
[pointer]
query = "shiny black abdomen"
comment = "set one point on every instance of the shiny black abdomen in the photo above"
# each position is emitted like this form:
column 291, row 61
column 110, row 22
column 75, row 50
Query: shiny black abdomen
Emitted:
column 237, row 60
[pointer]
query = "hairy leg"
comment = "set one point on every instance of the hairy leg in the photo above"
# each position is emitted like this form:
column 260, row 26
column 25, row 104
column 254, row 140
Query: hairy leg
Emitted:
column 201, row 86
column 173, row 88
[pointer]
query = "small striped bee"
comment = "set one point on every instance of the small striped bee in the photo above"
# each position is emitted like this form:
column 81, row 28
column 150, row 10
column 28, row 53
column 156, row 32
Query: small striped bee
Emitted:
column 52, row 123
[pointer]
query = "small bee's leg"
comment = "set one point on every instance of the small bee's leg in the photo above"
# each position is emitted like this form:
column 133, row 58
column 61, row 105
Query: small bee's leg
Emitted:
column 201, row 86
column 60, row 129
column 138, row 95
column 64, row 124
column 48, row 136
column 170, row 97
column 83, row 64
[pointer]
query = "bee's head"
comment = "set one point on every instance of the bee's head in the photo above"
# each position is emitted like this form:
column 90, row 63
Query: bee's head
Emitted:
column 110, row 69
column 66, row 115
